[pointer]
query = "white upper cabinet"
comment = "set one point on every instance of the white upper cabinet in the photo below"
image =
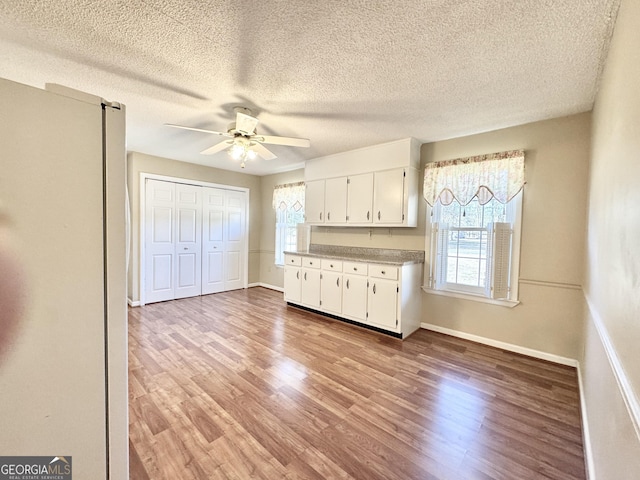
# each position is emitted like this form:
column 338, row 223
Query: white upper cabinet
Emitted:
column 388, row 196
column 360, row 198
column 335, row 201
column 314, row 201
column 372, row 186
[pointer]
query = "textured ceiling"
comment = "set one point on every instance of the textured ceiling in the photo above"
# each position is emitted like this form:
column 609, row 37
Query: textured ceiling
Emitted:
column 345, row 74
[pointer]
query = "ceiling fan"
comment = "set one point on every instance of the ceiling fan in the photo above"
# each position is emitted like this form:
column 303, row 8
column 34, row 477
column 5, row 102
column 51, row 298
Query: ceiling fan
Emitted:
column 245, row 143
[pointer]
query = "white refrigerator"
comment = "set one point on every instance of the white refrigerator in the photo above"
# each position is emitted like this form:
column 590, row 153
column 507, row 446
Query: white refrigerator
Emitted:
column 63, row 379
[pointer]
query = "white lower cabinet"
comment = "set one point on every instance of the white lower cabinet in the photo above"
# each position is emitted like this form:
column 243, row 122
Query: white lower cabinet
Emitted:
column 382, row 303
column 354, row 291
column 386, row 297
column 310, row 291
column 331, row 292
column 292, row 284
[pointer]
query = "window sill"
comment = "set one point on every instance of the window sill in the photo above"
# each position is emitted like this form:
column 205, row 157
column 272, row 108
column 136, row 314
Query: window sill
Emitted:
column 472, row 297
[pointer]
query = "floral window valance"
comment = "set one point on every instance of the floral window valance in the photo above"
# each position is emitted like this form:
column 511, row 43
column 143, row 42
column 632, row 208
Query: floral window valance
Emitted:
column 497, row 175
column 289, row 195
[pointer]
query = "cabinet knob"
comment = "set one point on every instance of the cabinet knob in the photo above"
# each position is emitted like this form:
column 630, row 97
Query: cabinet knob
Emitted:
column 374, row 288
column 338, row 281
column 355, row 269
column 383, row 272
column 331, row 265
column 378, row 214
column 347, row 283
column 328, row 215
column 368, row 214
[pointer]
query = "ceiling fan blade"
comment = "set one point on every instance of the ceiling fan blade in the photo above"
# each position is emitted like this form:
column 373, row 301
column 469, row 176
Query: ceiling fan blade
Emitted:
column 224, row 134
column 262, row 151
column 289, row 141
column 246, row 124
column 218, row 147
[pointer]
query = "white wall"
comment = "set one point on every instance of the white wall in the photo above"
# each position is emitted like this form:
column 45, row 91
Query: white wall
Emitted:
column 140, row 163
column 612, row 280
column 549, row 317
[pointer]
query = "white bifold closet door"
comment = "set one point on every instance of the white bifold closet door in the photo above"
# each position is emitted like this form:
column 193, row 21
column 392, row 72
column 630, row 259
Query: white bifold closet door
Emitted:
column 223, row 224
column 195, row 240
column 173, row 241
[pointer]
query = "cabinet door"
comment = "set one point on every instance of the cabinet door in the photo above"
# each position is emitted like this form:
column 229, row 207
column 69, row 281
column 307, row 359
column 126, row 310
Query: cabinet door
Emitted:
column 360, row 198
column 331, row 292
column 310, row 287
column 292, row 284
column 314, row 201
column 388, row 196
column 335, row 200
column 382, row 303
column 354, row 297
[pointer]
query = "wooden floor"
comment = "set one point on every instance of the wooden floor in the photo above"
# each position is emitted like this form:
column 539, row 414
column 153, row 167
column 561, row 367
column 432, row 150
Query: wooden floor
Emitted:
column 238, row 385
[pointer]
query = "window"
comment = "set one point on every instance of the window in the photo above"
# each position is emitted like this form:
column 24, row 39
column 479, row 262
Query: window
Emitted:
column 288, row 202
column 474, row 246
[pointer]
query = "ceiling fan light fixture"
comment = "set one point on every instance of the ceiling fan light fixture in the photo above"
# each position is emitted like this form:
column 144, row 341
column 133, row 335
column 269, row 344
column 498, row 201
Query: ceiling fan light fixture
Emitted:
column 251, row 154
column 241, row 150
column 237, row 151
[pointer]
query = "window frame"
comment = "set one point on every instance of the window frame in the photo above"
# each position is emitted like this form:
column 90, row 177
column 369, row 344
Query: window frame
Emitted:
column 514, row 215
column 286, row 233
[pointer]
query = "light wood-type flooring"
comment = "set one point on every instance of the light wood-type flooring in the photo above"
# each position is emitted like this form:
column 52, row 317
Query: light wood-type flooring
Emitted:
column 238, row 385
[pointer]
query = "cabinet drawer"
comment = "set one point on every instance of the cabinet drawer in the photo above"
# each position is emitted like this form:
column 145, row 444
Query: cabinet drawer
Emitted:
column 310, row 262
column 355, row 268
column 383, row 271
column 331, row 265
column 293, row 260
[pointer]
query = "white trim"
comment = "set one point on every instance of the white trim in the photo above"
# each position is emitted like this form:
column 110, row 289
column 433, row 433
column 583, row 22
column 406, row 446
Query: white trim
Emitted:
column 586, row 436
column 544, row 283
column 266, row 285
column 142, row 200
column 626, row 390
column 471, row 296
column 133, row 303
column 550, row 357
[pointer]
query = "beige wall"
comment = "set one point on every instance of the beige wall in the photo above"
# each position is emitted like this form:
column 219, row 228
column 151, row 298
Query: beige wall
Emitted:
column 270, row 274
column 140, row 163
column 549, row 317
column 612, row 279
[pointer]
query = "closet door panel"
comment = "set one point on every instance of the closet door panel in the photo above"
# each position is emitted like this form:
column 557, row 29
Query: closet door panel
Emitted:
column 235, row 240
column 188, row 241
column 159, row 241
column 213, row 240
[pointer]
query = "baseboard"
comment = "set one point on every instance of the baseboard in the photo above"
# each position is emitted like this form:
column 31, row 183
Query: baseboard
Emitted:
column 266, row 285
column 503, row 345
column 132, row 303
column 626, row 390
column 586, row 436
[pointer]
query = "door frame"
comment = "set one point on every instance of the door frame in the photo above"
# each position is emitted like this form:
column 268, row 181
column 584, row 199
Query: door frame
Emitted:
column 142, row 231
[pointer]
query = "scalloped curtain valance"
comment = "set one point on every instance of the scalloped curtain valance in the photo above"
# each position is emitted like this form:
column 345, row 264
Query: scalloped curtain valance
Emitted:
column 289, row 195
column 497, row 175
